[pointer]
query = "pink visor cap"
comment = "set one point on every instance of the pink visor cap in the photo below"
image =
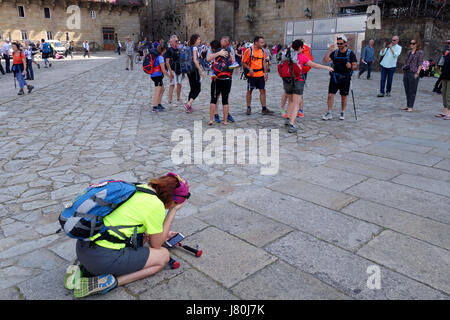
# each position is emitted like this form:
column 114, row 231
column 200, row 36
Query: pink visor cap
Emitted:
column 181, row 194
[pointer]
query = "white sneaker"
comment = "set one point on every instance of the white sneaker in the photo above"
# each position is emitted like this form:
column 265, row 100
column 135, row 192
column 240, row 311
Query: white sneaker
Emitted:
column 342, row 116
column 179, row 103
column 327, row 116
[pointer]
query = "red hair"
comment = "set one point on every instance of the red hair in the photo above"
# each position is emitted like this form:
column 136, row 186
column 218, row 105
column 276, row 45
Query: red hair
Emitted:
column 165, row 188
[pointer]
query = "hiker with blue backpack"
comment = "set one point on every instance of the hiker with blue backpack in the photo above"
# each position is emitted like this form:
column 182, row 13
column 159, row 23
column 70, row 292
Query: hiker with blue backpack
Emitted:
column 113, row 221
column 190, row 65
column 47, row 51
column 344, row 62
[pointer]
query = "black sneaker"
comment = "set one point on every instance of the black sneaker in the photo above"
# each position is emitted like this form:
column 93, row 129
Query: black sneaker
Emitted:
column 21, row 93
column 249, row 111
column 30, row 88
column 292, row 129
column 267, row 112
column 381, row 95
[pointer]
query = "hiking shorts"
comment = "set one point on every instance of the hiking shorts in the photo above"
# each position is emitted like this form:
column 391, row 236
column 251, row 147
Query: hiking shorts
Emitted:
column 158, row 81
column 177, row 79
column 256, row 83
column 342, row 85
column 293, row 88
column 99, row 260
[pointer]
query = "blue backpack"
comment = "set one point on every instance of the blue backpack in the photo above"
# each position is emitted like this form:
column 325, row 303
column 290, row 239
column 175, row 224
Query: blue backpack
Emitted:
column 83, row 218
column 46, row 48
column 187, row 60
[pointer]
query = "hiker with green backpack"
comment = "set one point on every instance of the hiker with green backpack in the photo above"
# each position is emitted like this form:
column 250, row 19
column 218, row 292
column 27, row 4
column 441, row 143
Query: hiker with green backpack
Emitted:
column 112, row 221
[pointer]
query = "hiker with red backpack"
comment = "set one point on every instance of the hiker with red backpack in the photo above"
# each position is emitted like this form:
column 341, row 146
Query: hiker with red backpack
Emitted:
column 220, row 80
column 290, row 70
column 155, row 66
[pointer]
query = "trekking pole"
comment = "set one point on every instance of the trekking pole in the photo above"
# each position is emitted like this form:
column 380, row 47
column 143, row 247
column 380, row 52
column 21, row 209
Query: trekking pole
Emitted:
column 197, row 252
column 353, row 97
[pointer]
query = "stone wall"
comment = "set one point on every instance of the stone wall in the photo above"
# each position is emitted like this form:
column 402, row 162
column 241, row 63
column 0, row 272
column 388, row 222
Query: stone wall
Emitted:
column 224, row 18
column 269, row 18
column 430, row 32
column 124, row 22
column 204, row 10
column 162, row 18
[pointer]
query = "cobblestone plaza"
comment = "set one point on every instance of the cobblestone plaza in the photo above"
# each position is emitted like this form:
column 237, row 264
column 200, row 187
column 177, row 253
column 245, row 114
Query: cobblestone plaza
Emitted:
column 349, row 195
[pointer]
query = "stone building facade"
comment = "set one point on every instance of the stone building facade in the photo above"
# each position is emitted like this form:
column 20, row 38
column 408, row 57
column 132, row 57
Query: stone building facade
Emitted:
column 99, row 22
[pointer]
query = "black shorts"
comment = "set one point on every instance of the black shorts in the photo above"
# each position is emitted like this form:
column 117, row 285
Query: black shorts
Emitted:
column 158, row 81
column 343, row 85
column 220, row 87
column 256, row 83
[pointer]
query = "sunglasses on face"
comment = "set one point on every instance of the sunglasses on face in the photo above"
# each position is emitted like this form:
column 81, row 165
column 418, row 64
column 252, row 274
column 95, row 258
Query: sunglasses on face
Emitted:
column 412, row 43
column 340, row 43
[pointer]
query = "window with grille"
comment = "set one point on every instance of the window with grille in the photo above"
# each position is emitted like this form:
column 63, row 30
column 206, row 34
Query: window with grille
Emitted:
column 24, row 35
column 93, row 14
column 49, row 35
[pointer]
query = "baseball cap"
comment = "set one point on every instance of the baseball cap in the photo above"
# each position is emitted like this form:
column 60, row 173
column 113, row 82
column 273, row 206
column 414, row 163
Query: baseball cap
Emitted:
column 343, row 38
column 180, row 194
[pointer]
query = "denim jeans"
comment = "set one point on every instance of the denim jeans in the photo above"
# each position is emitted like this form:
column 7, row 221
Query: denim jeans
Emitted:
column 20, row 78
column 389, row 74
column 30, row 72
column 7, row 65
column 366, row 67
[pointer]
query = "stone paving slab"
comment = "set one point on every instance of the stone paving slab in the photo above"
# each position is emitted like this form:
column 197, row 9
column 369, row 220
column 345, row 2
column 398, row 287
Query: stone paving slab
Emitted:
column 362, row 169
column 346, row 271
column 396, row 154
column 422, row 203
column 444, row 165
column 405, row 146
column 321, row 222
column 226, row 259
column 247, row 225
column 190, row 285
column 422, row 183
column 280, row 281
column 310, row 192
column 421, row 261
column 398, row 165
column 418, row 227
column 335, row 179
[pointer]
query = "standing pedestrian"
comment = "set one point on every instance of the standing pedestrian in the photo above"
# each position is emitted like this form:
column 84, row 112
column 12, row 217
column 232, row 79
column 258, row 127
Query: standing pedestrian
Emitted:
column 255, row 61
column 344, row 63
column 294, row 84
column 6, row 48
column 47, row 51
column 87, row 49
column 445, row 73
column 411, row 69
column 438, row 85
column 388, row 65
column 129, row 51
column 197, row 74
column 67, row 47
column 367, row 59
column 173, row 65
column 220, row 83
column 19, row 68
column 29, row 55
column 1, row 67
column 157, row 77
column 119, row 47
column 71, row 49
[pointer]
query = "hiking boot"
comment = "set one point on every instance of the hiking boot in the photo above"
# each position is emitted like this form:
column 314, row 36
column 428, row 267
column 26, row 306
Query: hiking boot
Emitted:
column 292, row 129
column 217, row 118
column 266, row 112
column 342, row 116
column 327, row 116
column 249, row 111
column 388, row 94
column 381, row 95
column 21, row 93
column 30, row 88
column 230, row 118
